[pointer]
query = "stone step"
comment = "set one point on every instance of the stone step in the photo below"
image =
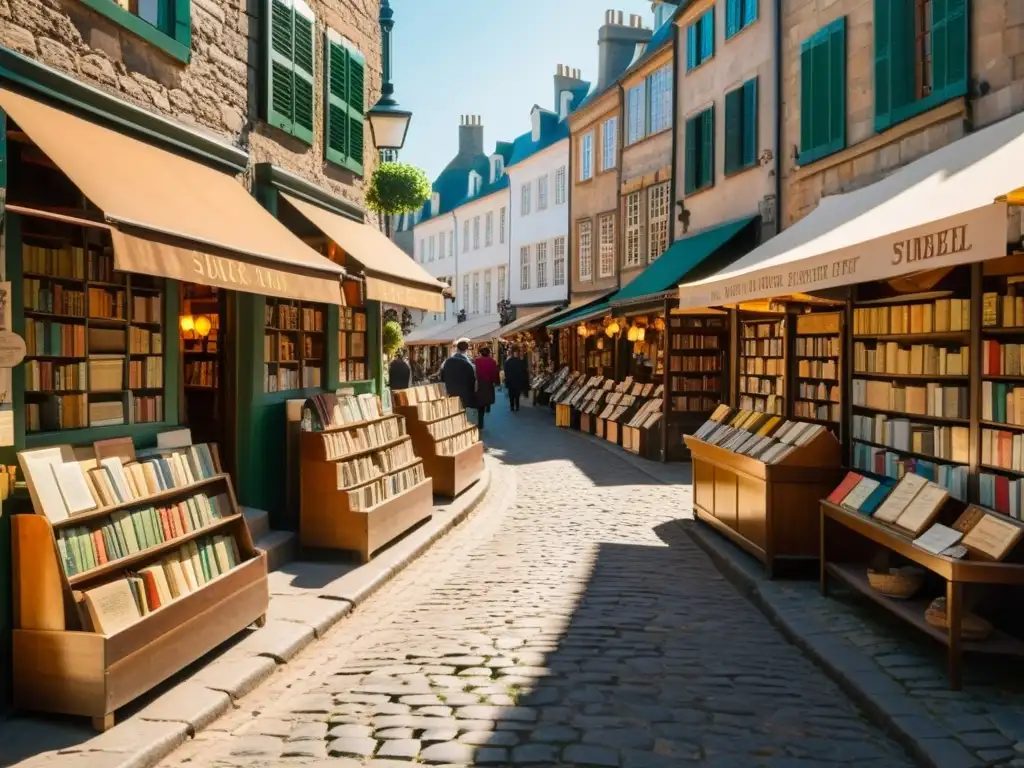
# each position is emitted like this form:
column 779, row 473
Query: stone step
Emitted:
column 258, row 521
column 281, row 547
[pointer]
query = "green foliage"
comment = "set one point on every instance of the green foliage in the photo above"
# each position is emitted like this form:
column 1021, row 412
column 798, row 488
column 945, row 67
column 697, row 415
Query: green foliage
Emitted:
column 391, row 337
column 397, row 188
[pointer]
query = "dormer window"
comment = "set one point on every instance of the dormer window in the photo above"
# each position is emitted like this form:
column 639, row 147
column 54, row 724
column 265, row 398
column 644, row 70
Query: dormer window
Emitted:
column 435, row 203
column 475, row 183
column 564, row 102
column 535, row 120
column 497, row 167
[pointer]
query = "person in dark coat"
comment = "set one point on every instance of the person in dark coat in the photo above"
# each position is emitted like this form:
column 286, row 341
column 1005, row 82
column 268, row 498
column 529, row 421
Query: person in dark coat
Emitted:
column 517, row 378
column 399, row 372
column 487, row 379
column 459, row 375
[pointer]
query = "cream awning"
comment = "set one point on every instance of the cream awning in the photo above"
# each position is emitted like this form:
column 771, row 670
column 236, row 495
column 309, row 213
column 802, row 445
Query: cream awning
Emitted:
column 392, row 276
column 935, row 212
column 175, row 217
column 525, row 323
column 436, row 333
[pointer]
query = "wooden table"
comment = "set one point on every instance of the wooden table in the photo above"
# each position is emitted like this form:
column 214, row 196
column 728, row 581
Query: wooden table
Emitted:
column 839, row 561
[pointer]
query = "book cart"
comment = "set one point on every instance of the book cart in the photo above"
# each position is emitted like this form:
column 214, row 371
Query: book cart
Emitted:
column 611, row 403
column 361, row 483
column 561, row 390
column 442, row 437
column 181, row 541
column 592, row 404
column 642, row 434
column 628, row 404
column 757, row 479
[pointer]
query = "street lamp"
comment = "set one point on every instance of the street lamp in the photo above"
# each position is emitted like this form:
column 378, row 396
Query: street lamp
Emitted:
column 389, row 123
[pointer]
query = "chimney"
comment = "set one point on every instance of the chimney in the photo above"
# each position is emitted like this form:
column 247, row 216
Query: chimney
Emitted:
column 566, row 79
column 471, row 135
column 616, row 45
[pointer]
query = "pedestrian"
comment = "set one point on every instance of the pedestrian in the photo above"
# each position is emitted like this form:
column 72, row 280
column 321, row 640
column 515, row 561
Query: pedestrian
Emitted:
column 517, row 378
column 459, row 375
column 487, row 379
column 399, row 372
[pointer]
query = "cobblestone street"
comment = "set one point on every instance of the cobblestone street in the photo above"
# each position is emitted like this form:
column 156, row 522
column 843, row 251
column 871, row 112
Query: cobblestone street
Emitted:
column 570, row 621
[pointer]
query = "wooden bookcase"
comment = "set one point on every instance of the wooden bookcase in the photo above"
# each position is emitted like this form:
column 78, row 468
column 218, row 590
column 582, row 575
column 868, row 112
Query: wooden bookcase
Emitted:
column 61, row 665
column 762, row 365
column 293, row 345
column 438, row 426
column 328, row 518
column 697, row 375
column 770, row 510
column 352, row 344
column 817, row 395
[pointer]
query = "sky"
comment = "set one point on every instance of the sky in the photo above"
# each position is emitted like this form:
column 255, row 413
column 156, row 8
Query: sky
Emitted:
column 493, row 58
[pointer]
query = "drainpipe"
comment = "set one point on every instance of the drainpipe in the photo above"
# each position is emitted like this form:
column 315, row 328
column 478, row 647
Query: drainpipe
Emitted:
column 458, row 283
column 778, row 115
column 675, row 141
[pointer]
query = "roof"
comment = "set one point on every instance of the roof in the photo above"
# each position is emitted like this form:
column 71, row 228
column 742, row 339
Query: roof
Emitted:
column 552, row 130
column 453, row 182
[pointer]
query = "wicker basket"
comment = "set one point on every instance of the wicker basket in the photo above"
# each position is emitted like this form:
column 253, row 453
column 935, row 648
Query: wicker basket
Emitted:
column 900, row 583
column 972, row 626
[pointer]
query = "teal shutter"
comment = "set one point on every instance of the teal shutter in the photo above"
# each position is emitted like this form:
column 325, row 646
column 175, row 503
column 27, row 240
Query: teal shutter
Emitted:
column 707, row 148
column 806, row 97
column 749, row 12
column 690, row 171
column 732, row 26
column 949, row 48
column 733, row 130
column 894, row 59
column 344, row 104
column 749, row 131
column 691, row 47
column 837, row 86
column 823, row 92
column 183, row 23
column 707, row 35
column 356, row 108
column 280, row 86
column 305, row 22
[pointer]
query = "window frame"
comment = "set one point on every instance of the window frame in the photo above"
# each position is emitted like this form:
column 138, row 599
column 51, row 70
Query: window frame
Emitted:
column 633, row 216
column 609, row 143
column 586, row 156
column 465, row 236
column 739, row 15
column 432, row 246
column 606, row 246
column 558, row 262
column 177, row 43
column 524, row 267
column 525, row 195
column 488, row 229
column 658, row 221
column 502, row 283
column 476, row 232
column 502, row 216
column 585, row 248
column 636, row 113
column 541, row 259
column 560, row 175
column 542, row 192
column 465, row 293
column 659, row 85
column 441, row 237
column 700, row 40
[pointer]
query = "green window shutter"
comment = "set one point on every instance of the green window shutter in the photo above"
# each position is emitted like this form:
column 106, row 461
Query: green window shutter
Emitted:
column 280, row 94
column 356, row 108
column 690, row 171
column 836, row 125
column 949, row 48
column 733, row 130
column 707, row 148
column 183, row 22
column 691, row 47
column 707, row 35
column 732, row 26
column 894, row 59
column 749, row 12
column 749, row 132
column 806, row 97
column 304, row 26
column 335, row 103
column 823, row 92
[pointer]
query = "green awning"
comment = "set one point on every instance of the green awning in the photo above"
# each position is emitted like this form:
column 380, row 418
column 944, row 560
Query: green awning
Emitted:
column 669, row 269
column 594, row 310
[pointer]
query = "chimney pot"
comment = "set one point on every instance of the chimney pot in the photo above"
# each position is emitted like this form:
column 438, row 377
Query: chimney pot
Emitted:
column 618, row 18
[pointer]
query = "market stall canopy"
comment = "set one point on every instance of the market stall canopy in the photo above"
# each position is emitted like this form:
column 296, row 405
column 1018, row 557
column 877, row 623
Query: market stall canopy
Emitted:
column 586, row 313
column 937, row 211
column 391, row 274
column 174, row 217
column 682, row 258
column 479, row 327
column 436, row 333
column 527, row 322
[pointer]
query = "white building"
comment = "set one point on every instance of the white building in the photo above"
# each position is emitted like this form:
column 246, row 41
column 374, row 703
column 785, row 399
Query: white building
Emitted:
column 539, row 188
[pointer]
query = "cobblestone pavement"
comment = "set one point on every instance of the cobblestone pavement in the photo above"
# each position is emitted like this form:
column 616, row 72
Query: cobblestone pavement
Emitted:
column 569, row 622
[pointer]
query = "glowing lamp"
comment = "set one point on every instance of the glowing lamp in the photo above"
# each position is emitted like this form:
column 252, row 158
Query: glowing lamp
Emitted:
column 187, row 323
column 203, row 325
column 640, row 333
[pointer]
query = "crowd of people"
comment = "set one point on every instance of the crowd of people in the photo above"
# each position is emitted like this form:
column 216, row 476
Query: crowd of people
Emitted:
column 474, row 381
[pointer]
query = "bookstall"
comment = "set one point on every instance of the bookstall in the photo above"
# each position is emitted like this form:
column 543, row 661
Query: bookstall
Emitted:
column 361, row 483
column 757, row 479
column 442, row 437
column 696, row 376
column 133, row 565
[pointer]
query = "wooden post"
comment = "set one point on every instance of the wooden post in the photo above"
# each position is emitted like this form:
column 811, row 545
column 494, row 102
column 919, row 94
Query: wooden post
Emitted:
column 665, row 380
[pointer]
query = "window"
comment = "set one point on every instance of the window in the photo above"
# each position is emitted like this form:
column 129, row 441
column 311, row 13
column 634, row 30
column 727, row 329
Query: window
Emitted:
column 700, row 40
column 501, row 224
column 289, row 91
column 423, row 249
column 700, row 151
column 560, row 186
column 502, row 282
column 634, row 221
column 487, row 292
column 586, row 251
column 823, row 92
column 345, row 72
column 739, row 14
column 476, row 233
column 920, row 56
column 167, row 24
column 524, row 268
column 741, row 127
column 657, row 220
column 659, row 93
column 524, row 203
column 609, row 139
column 636, row 113
column 465, row 236
column 606, row 263
column 542, row 265
column 433, row 248
column 476, row 293
column 440, row 245
column 451, row 243
column 542, row 193
column 489, row 228
column 559, row 261
column 465, row 292
column 586, row 156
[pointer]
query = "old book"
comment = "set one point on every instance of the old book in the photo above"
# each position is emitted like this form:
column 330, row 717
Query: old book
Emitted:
column 864, row 488
column 900, row 498
column 992, row 537
column 176, row 438
column 112, row 607
column 39, row 474
column 73, row 488
column 922, row 510
column 937, row 539
column 843, row 489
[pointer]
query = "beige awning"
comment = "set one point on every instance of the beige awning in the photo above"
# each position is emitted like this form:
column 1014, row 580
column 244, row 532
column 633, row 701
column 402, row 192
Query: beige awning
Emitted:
column 938, row 211
column 525, row 323
column 392, row 276
column 208, row 229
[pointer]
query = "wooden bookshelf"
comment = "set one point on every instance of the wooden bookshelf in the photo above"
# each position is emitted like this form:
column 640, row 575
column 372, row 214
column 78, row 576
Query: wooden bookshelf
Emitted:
column 910, row 391
column 697, row 375
column 361, row 484
column 442, row 437
column 293, row 345
column 768, row 509
column 352, row 344
column 818, row 373
column 94, row 336
column 62, row 664
column 641, row 434
column 762, row 364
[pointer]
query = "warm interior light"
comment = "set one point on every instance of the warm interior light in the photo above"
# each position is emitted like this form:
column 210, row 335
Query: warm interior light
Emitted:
column 612, row 329
column 631, row 334
column 640, row 333
column 187, row 323
column 600, row 343
column 659, row 324
column 203, row 325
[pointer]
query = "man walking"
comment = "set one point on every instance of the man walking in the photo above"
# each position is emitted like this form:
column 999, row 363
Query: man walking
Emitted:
column 399, row 372
column 459, row 375
column 517, row 378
